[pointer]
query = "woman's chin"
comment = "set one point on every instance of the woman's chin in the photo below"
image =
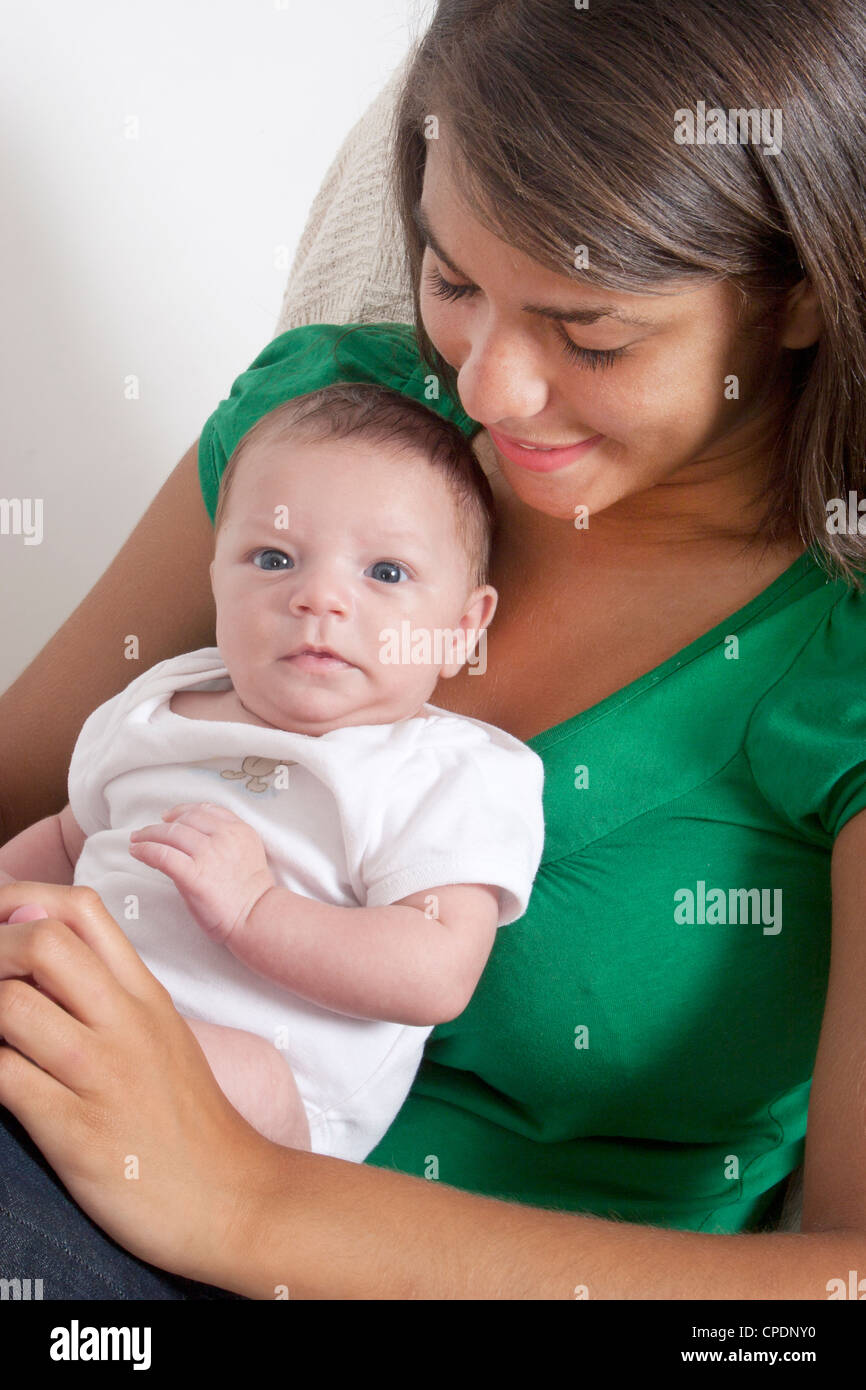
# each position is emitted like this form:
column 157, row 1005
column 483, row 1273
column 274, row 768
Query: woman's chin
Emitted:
column 557, row 495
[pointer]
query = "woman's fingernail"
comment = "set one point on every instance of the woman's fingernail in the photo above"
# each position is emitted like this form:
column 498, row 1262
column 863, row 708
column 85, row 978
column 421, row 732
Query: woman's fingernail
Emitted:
column 28, row 912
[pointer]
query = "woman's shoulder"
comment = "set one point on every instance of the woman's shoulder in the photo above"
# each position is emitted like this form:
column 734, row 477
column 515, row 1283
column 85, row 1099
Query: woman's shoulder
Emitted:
column 806, row 739
column 832, row 622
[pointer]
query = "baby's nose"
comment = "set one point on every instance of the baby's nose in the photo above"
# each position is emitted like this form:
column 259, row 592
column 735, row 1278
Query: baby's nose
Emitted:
column 321, row 591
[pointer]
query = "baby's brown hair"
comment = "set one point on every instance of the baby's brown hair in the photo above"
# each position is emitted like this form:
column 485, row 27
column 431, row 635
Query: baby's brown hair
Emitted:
column 384, row 416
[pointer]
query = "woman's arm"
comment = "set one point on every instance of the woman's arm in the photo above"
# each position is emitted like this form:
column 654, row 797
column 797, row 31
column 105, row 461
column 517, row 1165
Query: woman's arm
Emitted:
column 157, row 588
column 218, row 1203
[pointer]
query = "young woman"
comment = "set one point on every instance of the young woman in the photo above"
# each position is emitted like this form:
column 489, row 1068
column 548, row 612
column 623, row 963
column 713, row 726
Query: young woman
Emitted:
column 636, row 238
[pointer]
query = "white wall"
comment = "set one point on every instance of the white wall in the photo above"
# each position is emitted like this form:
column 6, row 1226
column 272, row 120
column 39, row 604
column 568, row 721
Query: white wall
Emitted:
column 153, row 154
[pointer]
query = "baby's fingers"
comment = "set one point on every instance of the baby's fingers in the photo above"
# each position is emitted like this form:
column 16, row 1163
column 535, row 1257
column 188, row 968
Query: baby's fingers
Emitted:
column 204, row 815
column 174, row 862
column 178, row 836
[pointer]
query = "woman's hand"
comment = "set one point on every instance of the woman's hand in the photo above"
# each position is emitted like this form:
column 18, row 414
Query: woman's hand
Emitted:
column 105, row 1075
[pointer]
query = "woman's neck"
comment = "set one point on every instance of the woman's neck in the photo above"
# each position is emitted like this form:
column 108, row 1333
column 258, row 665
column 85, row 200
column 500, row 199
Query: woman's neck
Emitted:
column 713, row 509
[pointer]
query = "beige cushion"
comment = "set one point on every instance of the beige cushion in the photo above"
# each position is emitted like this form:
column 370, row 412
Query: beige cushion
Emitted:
column 349, row 263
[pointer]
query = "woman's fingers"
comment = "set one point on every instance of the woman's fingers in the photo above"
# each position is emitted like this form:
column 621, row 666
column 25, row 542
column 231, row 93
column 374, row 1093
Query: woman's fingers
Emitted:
column 46, row 1035
column 128, row 1114
column 30, row 912
column 22, row 1083
column 84, row 914
column 49, row 953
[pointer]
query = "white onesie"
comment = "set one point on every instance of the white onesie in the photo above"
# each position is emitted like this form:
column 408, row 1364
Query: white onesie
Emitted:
column 360, row 817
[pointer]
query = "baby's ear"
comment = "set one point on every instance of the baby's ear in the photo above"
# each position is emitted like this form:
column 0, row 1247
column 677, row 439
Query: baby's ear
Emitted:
column 481, row 605
column 478, row 612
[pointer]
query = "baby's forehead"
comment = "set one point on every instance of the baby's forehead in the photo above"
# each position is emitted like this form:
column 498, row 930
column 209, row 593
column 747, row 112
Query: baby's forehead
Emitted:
column 407, row 514
column 411, row 476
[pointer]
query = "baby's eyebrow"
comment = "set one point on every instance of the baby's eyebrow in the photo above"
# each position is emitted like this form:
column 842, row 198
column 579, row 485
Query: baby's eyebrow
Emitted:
column 386, row 536
column 400, row 537
column 591, row 314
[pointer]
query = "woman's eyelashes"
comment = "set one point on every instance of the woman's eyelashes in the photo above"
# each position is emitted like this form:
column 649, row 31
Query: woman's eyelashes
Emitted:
column 592, row 357
column 587, row 357
column 267, row 558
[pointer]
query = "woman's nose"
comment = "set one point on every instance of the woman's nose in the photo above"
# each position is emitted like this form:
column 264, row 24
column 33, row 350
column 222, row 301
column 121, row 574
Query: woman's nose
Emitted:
column 503, row 377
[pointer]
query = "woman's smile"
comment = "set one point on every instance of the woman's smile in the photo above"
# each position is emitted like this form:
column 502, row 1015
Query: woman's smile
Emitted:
column 539, row 459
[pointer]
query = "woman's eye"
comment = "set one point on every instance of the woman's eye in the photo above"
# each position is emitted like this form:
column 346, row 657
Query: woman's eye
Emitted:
column 446, row 289
column 271, row 560
column 587, row 357
column 387, row 571
column 592, row 357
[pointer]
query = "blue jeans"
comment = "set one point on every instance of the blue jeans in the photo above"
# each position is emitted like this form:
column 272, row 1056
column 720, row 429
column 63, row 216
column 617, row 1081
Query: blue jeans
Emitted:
column 44, row 1235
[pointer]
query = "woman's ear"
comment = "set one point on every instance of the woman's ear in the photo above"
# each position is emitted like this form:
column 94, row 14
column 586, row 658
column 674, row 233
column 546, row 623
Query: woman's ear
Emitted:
column 802, row 322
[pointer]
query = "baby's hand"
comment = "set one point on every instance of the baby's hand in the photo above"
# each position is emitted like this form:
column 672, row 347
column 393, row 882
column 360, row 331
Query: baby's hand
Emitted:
column 216, row 861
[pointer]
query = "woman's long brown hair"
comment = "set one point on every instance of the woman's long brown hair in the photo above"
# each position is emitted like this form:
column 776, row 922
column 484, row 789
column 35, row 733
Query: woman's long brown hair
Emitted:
column 560, row 122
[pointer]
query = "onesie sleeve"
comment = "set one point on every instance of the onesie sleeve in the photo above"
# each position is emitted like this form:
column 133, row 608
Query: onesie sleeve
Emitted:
column 806, row 741
column 85, row 792
column 101, row 734
column 464, row 814
column 307, row 358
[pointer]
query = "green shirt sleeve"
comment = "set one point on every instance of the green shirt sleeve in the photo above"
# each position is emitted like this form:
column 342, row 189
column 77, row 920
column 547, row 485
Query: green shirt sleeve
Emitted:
column 806, row 740
column 307, row 358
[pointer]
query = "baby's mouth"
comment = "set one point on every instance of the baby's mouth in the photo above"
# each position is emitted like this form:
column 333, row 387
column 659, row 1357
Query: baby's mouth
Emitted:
column 317, row 658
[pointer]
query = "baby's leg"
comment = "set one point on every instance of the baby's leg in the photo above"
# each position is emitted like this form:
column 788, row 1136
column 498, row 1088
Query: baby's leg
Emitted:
column 257, row 1080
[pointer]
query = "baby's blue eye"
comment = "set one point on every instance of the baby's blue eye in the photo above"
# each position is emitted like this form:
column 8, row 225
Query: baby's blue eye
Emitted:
column 271, row 560
column 392, row 570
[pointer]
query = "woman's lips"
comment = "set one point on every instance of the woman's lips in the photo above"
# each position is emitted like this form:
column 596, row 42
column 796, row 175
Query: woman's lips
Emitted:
column 542, row 460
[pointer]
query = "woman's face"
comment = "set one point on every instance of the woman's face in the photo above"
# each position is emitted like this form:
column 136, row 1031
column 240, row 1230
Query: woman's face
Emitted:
column 653, row 398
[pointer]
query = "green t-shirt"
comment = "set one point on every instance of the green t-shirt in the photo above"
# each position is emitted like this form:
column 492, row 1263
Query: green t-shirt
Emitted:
column 641, row 1043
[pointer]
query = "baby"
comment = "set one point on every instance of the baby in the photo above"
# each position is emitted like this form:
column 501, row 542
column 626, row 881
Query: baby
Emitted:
column 311, row 858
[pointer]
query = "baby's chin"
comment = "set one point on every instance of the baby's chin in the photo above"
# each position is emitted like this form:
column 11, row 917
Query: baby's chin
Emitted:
column 320, row 712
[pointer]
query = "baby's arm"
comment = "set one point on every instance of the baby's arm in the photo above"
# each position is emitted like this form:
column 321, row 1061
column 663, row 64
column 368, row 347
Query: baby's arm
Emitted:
column 46, row 852
column 415, row 961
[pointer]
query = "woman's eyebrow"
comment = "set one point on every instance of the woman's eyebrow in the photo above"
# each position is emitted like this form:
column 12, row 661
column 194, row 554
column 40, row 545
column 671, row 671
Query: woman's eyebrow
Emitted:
column 591, row 314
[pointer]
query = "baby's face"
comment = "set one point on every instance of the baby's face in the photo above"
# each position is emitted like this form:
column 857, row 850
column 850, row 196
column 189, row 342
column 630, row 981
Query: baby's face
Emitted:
column 333, row 545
